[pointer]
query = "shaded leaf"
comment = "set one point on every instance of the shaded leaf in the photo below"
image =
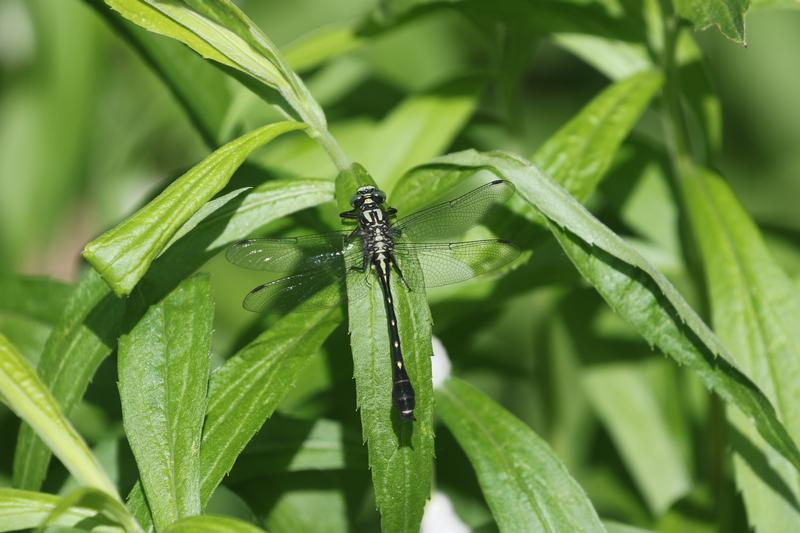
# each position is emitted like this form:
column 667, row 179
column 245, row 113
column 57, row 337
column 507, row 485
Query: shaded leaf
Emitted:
column 526, row 486
column 289, row 445
column 183, row 71
column 123, row 254
column 89, row 328
column 27, row 396
column 40, row 299
column 163, row 375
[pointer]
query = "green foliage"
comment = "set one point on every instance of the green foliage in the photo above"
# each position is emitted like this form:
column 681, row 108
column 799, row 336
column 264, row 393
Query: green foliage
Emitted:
column 526, row 486
column 163, row 375
column 558, row 417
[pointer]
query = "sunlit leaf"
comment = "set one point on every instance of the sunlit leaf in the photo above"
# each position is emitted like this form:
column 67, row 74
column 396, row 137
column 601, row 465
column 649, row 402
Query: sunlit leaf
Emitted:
column 755, row 309
column 163, row 376
column 96, row 500
column 400, row 453
column 627, row 404
column 636, row 291
column 88, row 330
column 245, row 391
column 526, row 486
column 123, row 254
column 583, row 149
column 23, row 509
column 22, row 390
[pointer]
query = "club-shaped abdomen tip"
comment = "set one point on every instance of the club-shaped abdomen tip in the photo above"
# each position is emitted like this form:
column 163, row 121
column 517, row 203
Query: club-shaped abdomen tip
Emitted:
column 403, row 398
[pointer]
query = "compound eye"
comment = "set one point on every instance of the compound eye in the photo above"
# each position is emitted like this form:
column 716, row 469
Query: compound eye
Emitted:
column 354, row 200
column 381, row 196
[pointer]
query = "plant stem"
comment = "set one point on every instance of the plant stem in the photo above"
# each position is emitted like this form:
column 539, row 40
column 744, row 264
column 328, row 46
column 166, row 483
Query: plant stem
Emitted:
column 675, row 123
column 333, row 149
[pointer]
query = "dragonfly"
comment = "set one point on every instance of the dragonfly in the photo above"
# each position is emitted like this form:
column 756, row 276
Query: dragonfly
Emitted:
column 419, row 249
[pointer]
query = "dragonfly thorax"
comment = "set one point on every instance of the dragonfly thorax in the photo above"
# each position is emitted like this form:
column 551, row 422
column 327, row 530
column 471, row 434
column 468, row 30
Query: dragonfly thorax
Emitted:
column 375, row 230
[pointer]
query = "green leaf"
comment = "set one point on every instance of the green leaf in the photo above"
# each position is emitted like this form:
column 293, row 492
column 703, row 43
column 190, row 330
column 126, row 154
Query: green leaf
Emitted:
column 27, row 396
column 22, row 509
column 291, row 445
column 212, row 524
column 421, row 127
column 400, row 453
column 219, row 31
column 584, row 148
column 40, row 299
column 183, row 71
column 84, row 336
column 579, row 154
column 89, row 328
column 123, row 254
column 526, row 486
column 163, row 375
column 636, row 291
column 727, row 15
column 314, row 49
column 96, row 500
column 755, row 308
column 245, row 391
column 626, row 403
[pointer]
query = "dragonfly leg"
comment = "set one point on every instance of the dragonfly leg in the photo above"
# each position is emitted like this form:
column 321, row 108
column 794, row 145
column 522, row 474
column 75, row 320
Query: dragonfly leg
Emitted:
column 400, row 273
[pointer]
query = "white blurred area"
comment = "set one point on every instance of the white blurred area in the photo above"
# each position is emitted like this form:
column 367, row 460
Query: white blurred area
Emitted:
column 440, row 364
column 440, row 516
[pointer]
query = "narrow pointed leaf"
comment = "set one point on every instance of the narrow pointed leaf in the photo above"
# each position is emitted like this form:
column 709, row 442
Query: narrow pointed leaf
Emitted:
column 727, row 15
column 96, row 500
column 755, row 310
column 584, row 148
column 526, row 486
column 23, row 509
column 22, row 390
column 89, row 327
column 245, row 391
column 218, row 30
column 626, row 403
column 163, row 375
column 83, row 337
column 400, row 453
column 123, row 254
column 636, row 291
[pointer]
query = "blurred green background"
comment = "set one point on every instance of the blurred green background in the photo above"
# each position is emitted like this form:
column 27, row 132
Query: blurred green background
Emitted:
column 88, row 131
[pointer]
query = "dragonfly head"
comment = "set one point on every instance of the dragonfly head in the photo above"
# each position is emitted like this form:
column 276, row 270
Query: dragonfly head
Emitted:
column 367, row 196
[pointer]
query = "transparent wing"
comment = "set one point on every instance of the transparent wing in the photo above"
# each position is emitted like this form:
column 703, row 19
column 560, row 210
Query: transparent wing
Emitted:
column 443, row 222
column 446, row 263
column 292, row 254
column 323, row 284
column 307, row 291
